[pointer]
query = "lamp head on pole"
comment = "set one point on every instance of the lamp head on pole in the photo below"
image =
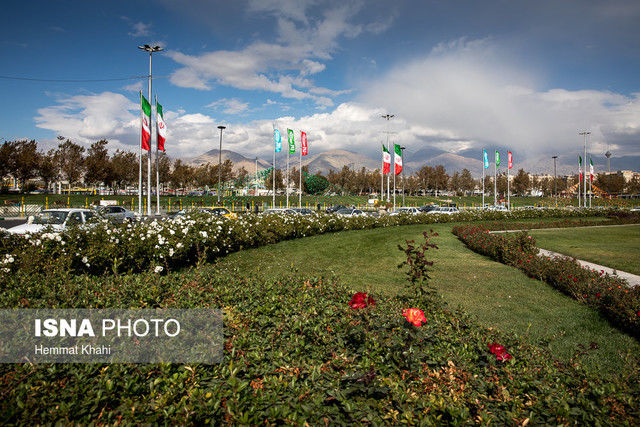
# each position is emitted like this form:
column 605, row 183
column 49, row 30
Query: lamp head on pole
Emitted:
column 150, row 49
column 222, row 127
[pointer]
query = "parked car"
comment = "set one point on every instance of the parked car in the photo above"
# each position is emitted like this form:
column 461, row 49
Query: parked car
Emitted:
column 302, row 211
column 350, row 212
column 116, row 213
column 427, row 208
column 497, row 208
column 211, row 211
column 334, row 209
column 635, row 209
column 57, row 219
column 406, row 210
column 444, row 210
column 279, row 211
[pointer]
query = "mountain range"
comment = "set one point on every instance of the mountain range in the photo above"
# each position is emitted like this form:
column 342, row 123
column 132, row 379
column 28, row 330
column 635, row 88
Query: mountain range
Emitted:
column 336, row 159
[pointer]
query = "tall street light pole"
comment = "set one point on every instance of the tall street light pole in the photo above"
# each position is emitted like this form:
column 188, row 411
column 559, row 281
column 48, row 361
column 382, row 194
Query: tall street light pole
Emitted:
column 403, row 163
column 220, row 161
column 388, row 117
column 149, row 49
column 584, row 169
column 555, row 179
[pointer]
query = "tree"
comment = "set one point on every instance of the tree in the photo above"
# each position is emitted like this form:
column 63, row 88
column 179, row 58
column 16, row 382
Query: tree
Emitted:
column 467, row 183
column 69, row 158
column 47, row 169
column 440, row 178
column 521, row 182
column 315, row 184
column 633, row 186
column 454, row 182
column 98, row 164
column 25, row 161
column 611, row 183
column 7, row 158
column 268, row 182
column 124, row 168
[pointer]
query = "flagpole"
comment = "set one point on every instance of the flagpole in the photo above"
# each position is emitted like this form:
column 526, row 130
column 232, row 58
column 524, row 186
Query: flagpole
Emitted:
column 483, row 151
column 287, row 183
column 495, row 181
column 273, row 201
column 140, row 162
column 579, row 181
column 508, row 192
column 590, row 181
column 300, row 180
column 157, row 164
column 382, row 177
column 394, row 178
column 150, row 142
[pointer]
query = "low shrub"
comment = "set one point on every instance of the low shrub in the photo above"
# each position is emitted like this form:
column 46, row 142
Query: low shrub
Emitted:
column 609, row 294
column 296, row 352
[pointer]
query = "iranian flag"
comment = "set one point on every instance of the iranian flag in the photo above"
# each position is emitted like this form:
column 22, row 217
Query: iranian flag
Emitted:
column 580, row 167
column 397, row 158
column 146, row 123
column 386, row 160
column 162, row 129
column 591, row 168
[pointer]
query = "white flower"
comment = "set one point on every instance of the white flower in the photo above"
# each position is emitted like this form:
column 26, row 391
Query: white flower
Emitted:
column 179, row 245
column 170, row 251
column 84, row 259
column 158, row 269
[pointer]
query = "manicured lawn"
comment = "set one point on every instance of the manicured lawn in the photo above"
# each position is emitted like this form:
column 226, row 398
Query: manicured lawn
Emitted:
column 497, row 295
column 615, row 247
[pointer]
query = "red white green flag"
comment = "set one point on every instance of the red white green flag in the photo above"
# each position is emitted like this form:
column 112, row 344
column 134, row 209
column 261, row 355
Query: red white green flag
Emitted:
column 580, row 167
column 591, row 168
column 146, row 123
column 397, row 159
column 162, row 129
column 386, row 160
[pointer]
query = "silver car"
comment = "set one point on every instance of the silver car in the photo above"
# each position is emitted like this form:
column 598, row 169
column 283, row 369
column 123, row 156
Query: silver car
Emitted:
column 116, row 213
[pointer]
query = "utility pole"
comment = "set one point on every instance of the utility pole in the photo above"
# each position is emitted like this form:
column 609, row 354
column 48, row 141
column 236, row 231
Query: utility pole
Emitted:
column 220, row 161
column 149, row 49
column 388, row 117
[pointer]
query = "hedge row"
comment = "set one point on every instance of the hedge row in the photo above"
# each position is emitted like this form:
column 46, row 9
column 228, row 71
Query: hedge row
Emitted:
column 305, row 351
column 608, row 294
column 163, row 245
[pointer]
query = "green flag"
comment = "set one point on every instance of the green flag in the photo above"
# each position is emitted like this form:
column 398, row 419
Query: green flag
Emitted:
column 497, row 159
column 292, row 144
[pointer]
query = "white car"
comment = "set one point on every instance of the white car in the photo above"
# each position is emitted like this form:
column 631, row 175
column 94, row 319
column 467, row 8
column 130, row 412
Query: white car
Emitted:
column 636, row 209
column 58, row 219
column 412, row 211
column 497, row 208
column 279, row 211
column 349, row 212
column 444, row 210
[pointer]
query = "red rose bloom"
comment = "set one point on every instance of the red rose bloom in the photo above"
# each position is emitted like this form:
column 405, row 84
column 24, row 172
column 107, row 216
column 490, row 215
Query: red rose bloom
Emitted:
column 361, row 300
column 415, row 316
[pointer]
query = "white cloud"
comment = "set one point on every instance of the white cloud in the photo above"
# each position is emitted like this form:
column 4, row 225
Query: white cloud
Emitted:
column 133, row 87
column 304, row 43
column 229, row 106
column 140, row 29
column 474, row 92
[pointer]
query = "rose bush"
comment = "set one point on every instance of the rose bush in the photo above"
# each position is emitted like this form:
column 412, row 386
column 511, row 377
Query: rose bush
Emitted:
column 611, row 295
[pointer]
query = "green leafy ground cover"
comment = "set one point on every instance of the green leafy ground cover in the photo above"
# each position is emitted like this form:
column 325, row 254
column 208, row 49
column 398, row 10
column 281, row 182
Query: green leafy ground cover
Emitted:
column 295, row 352
column 615, row 247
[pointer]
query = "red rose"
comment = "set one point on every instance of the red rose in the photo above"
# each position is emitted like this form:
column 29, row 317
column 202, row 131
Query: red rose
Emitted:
column 361, row 300
column 504, row 357
column 415, row 316
column 496, row 348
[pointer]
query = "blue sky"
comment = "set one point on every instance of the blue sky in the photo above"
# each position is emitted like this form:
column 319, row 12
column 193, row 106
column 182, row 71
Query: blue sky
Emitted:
column 459, row 75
